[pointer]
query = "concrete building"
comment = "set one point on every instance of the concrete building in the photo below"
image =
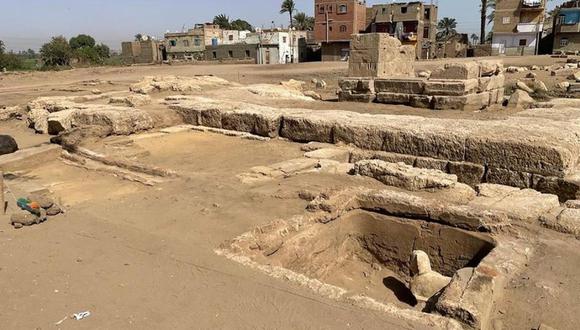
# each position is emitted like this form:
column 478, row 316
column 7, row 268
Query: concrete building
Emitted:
column 567, row 28
column 212, row 33
column 279, row 46
column 414, row 23
column 241, row 52
column 518, row 27
column 185, row 45
column 335, row 22
column 142, row 52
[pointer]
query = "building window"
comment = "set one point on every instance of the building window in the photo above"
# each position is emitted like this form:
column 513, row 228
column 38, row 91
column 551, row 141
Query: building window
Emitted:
column 197, row 42
column 523, row 42
column 563, row 42
column 403, row 10
column 321, row 9
column 231, row 37
column 426, row 33
column 214, row 55
column 330, row 9
column 427, row 13
column 230, row 53
column 384, row 10
column 343, row 28
column 330, row 28
column 173, row 43
column 506, row 20
column 342, row 9
column 248, row 53
column 284, row 40
column 185, row 43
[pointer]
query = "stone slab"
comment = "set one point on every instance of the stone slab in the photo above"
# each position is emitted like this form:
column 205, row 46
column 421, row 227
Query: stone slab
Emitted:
column 451, row 87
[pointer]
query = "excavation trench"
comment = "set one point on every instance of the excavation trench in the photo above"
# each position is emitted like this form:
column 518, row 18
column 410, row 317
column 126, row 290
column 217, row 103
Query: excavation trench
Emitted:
column 370, row 253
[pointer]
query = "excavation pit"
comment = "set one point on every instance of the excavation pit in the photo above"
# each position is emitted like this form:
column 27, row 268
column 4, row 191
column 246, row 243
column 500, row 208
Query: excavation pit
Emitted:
column 370, row 254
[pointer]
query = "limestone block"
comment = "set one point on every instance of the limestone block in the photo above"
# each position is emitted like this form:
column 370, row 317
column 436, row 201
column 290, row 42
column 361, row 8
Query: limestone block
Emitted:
column 307, row 128
column 348, row 96
column 404, row 176
column 451, row 87
column 463, row 70
column 357, row 85
column 468, row 102
column 380, row 69
column 508, row 177
column 263, row 123
column 563, row 220
column 496, row 96
column 405, row 86
column 491, row 83
column 393, row 98
column 468, row 173
column 337, row 154
column 432, row 163
column 490, row 67
column 421, row 101
column 358, row 155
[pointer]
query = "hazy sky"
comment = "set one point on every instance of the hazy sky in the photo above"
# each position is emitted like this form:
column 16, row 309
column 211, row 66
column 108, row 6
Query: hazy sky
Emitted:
column 29, row 24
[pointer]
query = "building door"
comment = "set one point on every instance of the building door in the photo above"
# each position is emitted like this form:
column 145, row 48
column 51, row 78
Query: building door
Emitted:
column 502, row 47
column 267, row 56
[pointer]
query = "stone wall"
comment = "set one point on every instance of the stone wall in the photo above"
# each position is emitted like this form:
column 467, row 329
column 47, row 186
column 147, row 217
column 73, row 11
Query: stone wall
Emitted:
column 379, row 55
column 455, row 86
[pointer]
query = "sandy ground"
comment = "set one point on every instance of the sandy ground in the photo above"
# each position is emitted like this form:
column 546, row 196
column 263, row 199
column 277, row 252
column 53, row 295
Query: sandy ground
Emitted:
column 143, row 257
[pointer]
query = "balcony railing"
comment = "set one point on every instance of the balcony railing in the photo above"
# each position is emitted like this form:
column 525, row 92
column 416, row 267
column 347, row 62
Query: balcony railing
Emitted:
column 530, row 27
column 533, row 4
column 570, row 28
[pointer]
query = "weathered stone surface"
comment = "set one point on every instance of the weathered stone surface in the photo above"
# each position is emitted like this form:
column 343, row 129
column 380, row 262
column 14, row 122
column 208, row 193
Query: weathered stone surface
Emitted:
column 490, row 83
column 53, row 210
column 133, row 100
column 405, row 86
column 573, row 204
column 464, row 70
column 520, row 205
column 425, row 282
column 524, row 87
column 42, row 199
column 7, row 113
column 357, row 85
column 404, row 176
column 24, row 218
column 470, row 174
column 348, row 96
column 393, row 98
column 421, row 101
column 468, row 102
column 29, row 158
column 7, row 145
column 379, row 55
column 451, row 87
column 490, row 67
column 540, row 86
column 123, row 121
column 563, row 220
column 357, row 155
column 432, row 163
column 495, row 191
column 178, row 84
column 338, row 154
column 510, row 178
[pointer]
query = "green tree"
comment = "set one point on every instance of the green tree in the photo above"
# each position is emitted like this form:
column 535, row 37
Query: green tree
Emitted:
column 56, row 53
column 2, row 47
column 103, row 51
column 303, row 22
column 223, row 21
column 289, row 6
column 446, row 28
column 474, row 38
column 483, row 18
column 81, row 41
column 138, row 37
column 241, row 25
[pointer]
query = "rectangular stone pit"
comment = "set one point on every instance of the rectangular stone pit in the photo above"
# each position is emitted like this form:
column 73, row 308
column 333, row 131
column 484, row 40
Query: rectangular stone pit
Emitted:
column 356, row 246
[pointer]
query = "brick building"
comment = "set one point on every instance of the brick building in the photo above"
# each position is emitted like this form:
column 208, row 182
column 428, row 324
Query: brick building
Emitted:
column 567, row 28
column 142, row 52
column 518, row 27
column 414, row 23
column 335, row 22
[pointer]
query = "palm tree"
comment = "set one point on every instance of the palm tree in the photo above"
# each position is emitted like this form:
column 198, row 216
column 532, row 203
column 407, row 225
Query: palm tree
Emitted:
column 491, row 8
column 289, row 6
column 223, row 21
column 474, row 38
column 303, row 22
column 446, row 28
column 483, row 22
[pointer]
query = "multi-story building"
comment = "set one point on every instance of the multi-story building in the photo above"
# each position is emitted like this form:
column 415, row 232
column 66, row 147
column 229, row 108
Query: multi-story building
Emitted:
column 414, row 23
column 567, row 28
column 518, row 27
column 185, row 45
column 335, row 22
